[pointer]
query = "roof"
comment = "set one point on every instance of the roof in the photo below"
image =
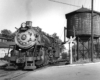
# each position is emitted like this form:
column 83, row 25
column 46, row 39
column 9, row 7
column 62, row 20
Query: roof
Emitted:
column 1, row 37
column 3, row 45
column 10, row 43
column 6, row 44
column 6, row 38
column 82, row 10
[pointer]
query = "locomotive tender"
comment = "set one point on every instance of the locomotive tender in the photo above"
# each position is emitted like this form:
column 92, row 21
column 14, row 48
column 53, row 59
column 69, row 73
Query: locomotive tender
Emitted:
column 33, row 48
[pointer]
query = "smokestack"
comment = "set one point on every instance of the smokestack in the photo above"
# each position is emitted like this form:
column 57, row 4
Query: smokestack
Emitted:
column 29, row 23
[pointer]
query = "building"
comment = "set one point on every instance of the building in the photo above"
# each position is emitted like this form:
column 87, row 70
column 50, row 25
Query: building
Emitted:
column 4, row 45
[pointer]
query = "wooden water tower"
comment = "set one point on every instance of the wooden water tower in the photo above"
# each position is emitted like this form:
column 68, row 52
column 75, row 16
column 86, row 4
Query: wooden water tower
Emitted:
column 79, row 25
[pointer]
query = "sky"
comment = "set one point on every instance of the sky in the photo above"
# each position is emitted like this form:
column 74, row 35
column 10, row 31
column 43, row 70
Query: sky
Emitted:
column 48, row 15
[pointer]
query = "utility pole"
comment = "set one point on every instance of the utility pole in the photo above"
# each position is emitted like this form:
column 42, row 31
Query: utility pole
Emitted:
column 92, row 31
column 64, row 34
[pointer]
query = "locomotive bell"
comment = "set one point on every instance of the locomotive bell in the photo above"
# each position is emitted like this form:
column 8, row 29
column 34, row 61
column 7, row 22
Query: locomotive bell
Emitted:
column 29, row 23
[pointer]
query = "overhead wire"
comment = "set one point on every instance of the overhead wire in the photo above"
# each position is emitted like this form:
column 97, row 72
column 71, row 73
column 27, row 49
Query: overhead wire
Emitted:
column 64, row 3
column 62, row 33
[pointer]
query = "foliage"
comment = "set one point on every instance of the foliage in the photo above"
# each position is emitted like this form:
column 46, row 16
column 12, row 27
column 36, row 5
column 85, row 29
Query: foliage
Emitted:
column 84, row 51
column 6, row 33
column 13, row 35
column 64, row 55
column 59, row 41
column 97, row 47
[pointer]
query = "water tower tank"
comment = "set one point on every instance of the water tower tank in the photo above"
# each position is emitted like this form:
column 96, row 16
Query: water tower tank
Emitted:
column 79, row 23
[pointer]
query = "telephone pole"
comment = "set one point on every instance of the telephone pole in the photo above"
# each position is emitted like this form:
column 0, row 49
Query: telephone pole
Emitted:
column 92, row 31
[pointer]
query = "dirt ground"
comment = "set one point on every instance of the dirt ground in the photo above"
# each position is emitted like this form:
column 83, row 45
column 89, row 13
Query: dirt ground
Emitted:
column 88, row 71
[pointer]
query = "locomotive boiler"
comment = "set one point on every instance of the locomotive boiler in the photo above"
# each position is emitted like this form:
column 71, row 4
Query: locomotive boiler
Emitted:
column 33, row 48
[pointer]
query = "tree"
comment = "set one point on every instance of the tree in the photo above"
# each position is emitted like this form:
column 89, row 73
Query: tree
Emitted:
column 6, row 33
column 13, row 35
column 54, row 35
column 58, row 41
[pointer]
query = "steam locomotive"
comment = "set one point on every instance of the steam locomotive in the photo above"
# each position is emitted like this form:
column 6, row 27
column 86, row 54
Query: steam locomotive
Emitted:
column 33, row 48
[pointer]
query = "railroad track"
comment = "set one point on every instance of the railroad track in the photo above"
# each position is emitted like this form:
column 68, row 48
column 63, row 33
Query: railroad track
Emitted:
column 12, row 75
column 16, row 75
column 5, row 73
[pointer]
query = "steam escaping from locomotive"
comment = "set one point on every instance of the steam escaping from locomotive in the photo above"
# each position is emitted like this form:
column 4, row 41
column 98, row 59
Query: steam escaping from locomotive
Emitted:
column 29, row 9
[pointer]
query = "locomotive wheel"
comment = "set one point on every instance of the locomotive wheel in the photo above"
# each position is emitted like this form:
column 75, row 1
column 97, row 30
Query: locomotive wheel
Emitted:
column 43, row 61
column 21, row 65
column 46, row 60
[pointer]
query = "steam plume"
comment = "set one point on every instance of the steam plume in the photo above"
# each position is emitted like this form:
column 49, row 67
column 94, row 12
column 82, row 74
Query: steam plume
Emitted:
column 29, row 9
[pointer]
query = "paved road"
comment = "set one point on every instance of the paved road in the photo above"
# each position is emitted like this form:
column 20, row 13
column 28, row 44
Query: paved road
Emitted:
column 79, row 72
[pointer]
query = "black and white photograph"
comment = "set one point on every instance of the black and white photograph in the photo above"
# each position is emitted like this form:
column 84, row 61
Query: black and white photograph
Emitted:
column 49, row 39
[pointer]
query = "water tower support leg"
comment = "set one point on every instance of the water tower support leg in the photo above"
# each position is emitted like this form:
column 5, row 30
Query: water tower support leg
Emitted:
column 83, row 51
column 97, row 48
column 77, row 48
column 88, row 50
